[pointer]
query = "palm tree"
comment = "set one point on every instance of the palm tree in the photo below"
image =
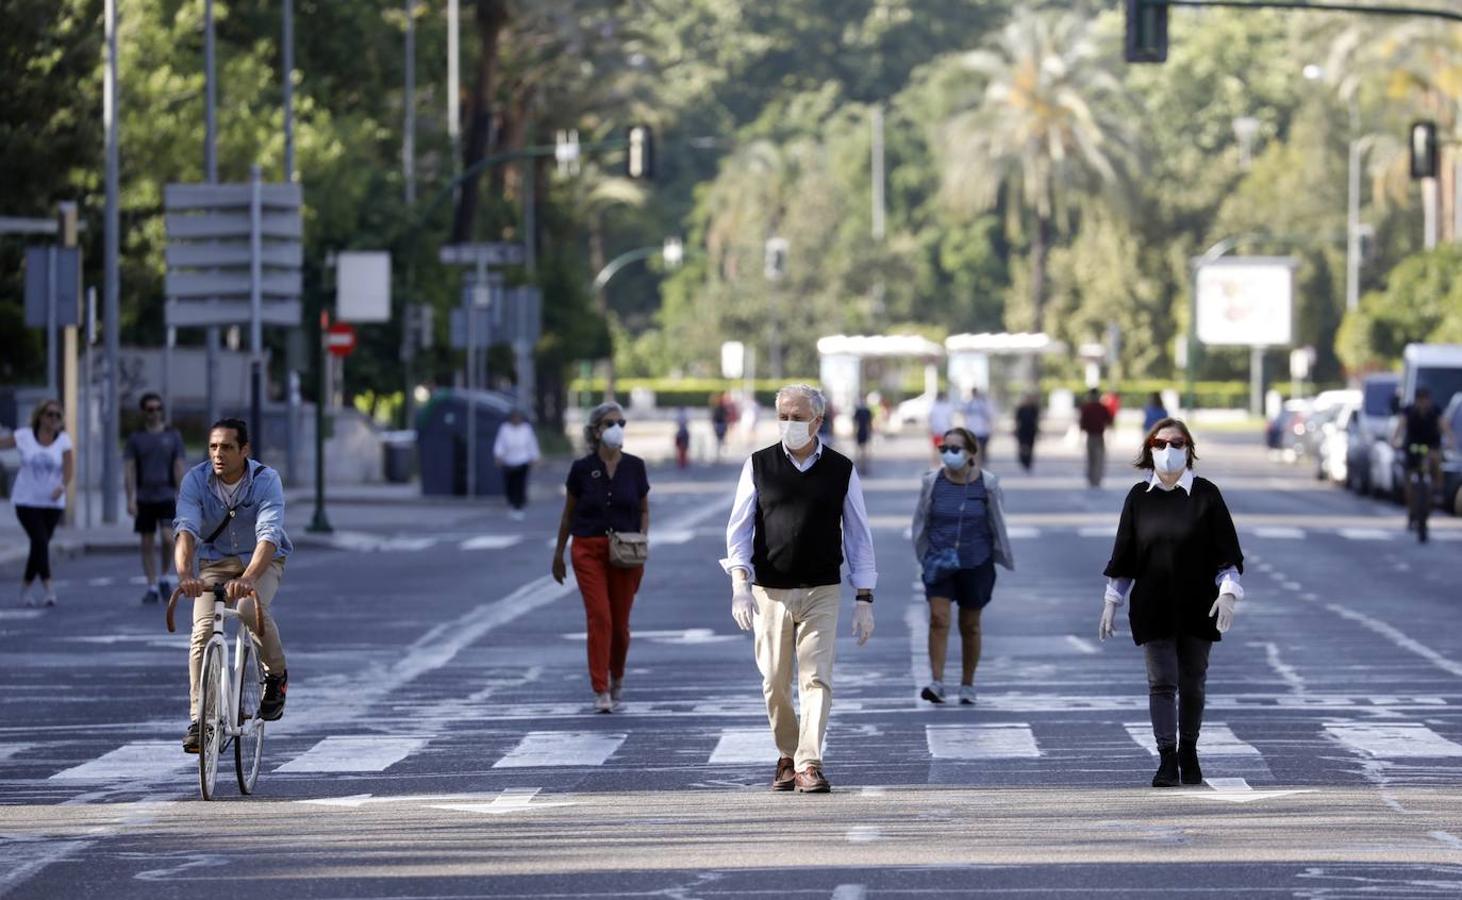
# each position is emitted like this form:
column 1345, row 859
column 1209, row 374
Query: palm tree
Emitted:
column 1044, row 128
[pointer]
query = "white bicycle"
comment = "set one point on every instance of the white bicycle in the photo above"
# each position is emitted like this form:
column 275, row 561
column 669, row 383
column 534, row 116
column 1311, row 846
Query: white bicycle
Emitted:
column 228, row 697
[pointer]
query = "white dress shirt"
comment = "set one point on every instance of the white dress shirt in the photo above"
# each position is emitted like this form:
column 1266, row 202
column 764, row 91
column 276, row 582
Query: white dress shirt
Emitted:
column 857, row 537
column 1227, row 579
column 516, row 445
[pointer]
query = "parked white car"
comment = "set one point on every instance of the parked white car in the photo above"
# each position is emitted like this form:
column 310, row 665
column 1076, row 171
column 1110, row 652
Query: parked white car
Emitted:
column 1332, row 456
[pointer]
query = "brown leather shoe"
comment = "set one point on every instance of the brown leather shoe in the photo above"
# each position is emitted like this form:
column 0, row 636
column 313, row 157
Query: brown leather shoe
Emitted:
column 786, row 777
column 810, row 781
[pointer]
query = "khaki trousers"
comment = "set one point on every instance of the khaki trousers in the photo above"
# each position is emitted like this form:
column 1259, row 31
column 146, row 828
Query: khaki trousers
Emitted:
column 271, row 651
column 798, row 624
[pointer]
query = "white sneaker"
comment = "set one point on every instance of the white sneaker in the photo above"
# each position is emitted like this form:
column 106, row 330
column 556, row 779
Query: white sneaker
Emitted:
column 517, row 515
column 25, row 598
column 50, row 598
column 616, row 690
column 934, row 693
column 967, row 695
column 603, row 703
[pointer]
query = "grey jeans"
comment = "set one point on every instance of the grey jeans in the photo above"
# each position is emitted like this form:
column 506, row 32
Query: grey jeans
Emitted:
column 1177, row 677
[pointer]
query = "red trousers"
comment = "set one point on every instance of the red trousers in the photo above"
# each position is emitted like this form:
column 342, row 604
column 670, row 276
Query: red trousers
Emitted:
column 608, row 592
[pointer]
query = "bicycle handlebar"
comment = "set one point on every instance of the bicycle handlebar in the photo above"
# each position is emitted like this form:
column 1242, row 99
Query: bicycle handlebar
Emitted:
column 220, row 594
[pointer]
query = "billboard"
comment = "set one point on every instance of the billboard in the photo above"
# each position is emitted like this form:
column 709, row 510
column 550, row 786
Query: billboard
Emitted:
column 1246, row 301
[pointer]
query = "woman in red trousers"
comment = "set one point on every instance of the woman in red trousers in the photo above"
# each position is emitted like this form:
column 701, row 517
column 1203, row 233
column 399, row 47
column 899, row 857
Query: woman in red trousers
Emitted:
column 607, row 491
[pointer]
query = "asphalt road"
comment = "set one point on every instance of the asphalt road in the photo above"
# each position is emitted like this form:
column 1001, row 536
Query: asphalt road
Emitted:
column 439, row 739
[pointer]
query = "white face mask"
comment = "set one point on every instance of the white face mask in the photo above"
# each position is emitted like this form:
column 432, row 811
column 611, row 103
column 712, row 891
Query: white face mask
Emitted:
column 1170, row 459
column 612, row 437
column 955, row 459
column 795, row 435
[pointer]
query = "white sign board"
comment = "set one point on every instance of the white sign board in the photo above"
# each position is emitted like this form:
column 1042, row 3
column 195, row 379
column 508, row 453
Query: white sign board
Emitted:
column 363, row 286
column 1246, row 302
column 733, row 359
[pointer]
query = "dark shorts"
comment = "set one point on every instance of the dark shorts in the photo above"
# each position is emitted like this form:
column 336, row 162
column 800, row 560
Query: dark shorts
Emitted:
column 968, row 588
column 151, row 515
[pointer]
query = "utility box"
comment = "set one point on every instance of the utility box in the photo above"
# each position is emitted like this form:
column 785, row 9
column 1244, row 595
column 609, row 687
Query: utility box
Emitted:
column 442, row 444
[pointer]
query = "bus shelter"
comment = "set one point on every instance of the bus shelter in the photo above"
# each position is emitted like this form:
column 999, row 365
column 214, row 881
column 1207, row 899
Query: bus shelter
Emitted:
column 850, row 362
column 1002, row 364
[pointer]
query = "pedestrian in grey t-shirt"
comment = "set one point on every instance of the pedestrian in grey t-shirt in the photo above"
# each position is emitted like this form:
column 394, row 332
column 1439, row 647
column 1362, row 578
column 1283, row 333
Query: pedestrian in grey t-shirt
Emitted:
column 156, row 461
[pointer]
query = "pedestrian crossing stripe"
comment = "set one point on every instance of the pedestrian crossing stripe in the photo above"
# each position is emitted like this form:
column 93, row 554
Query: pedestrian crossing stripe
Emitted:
column 157, row 762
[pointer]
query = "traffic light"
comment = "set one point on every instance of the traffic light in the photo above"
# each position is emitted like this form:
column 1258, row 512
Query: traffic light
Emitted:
column 1424, row 156
column 639, row 158
column 1147, row 31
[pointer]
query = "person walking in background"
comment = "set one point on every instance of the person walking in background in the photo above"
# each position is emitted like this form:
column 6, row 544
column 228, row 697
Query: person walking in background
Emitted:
column 682, row 438
column 797, row 515
column 720, row 421
column 516, row 450
column 1094, row 420
column 1178, row 555
column 979, row 416
column 959, row 536
column 155, row 463
column 863, row 434
column 1027, row 429
column 47, row 466
column 1153, row 412
column 941, row 419
column 607, row 499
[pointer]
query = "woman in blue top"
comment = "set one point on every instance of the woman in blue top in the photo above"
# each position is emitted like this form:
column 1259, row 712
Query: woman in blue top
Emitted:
column 959, row 535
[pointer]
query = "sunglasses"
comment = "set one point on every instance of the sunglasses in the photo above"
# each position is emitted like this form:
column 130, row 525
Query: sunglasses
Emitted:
column 610, row 423
column 951, row 448
column 1163, row 443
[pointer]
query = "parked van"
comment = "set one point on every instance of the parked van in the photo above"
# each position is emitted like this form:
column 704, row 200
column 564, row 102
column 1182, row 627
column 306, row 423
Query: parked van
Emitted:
column 1370, row 424
column 1435, row 366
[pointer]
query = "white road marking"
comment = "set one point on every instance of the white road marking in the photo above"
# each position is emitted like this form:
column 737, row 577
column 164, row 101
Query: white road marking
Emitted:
column 511, row 800
column 1022, row 532
column 9, row 751
column 850, row 892
column 138, row 761
column 490, row 542
column 744, row 746
column 99, row 582
column 864, row 834
column 561, row 748
column 1237, row 790
column 355, row 801
column 1451, row 840
column 1217, row 739
column 1292, row 586
column 1097, row 531
column 1081, row 644
column 1279, row 532
column 682, row 636
column 1404, row 741
column 1015, row 741
column 1284, row 670
column 1398, row 638
column 355, row 753
column 25, row 856
column 916, row 619
column 673, row 537
column 21, row 614
column 1365, row 534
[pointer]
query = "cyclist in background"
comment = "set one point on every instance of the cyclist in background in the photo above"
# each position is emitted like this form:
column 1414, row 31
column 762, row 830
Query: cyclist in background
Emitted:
column 231, row 518
column 1420, row 425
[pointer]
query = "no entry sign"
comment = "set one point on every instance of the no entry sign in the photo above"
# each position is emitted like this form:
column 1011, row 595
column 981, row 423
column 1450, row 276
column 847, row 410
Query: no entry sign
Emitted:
column 340, row 339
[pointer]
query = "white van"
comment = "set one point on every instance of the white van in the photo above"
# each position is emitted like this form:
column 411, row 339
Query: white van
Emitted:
column 1435, row 366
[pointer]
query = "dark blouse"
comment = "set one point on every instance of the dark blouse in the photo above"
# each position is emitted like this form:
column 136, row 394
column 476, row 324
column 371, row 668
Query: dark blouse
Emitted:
column 606, row 504
column 1173, row 546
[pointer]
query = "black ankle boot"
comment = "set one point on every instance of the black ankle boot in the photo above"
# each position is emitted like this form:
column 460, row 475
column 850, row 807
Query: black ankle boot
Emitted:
column 1188, row 764
column 1167, row 769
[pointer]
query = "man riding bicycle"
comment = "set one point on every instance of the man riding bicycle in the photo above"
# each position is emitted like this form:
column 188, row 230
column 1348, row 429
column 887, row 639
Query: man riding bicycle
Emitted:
column 1420, row 426
column 231, row 518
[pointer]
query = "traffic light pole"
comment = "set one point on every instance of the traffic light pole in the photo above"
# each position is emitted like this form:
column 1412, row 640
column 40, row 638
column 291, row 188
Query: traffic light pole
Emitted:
column 1366, row 9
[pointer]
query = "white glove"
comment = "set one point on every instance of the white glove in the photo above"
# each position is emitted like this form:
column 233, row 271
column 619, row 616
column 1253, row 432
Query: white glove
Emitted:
column 862, row 622
column 1223, row 608
column 1108, row 627
column 743, row 605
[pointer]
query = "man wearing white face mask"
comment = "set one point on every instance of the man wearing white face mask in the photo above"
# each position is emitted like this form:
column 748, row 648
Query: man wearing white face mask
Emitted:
column 1178, row 554
column 797, row 516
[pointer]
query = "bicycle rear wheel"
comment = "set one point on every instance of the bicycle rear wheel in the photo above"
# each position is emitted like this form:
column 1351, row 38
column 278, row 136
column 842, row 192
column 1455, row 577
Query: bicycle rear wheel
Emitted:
column 249, row 745
column 210, row 719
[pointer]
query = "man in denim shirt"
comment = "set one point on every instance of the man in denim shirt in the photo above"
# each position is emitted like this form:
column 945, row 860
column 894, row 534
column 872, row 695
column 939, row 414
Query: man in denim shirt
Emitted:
column 231, row 519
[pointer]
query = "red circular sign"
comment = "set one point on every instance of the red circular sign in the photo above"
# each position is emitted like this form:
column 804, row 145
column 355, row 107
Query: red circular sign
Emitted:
column 340, row 339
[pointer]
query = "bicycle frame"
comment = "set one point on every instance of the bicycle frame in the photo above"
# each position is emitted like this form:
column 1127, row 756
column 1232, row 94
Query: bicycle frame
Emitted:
column 232, row 668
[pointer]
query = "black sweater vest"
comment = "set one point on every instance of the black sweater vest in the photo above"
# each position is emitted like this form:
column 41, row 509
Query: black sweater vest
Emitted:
column 799, row 519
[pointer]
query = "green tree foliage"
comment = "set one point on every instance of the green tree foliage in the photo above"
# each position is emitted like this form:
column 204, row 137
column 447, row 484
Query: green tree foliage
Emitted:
column 1422, row 302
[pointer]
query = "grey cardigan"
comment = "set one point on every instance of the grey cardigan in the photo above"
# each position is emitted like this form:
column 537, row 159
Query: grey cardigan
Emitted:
column 995, row 508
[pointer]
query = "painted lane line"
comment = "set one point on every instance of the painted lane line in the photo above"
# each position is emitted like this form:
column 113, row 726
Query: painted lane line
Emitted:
column 491, row 542
column 744, row 746
column 21, row 614
column 355, row 801
column 1287, row 673
column 1365, row 534
column 1237, row 790
column 1279, row 533
column 916, row 619
column 1444, row 837
column 1217, row 739
column 1097, row 531
column 864, row 834
column 675, row 536
column 25, row 857
column 9, row 751
column 1410, row 740
column 561, row 748
column 1081, row 644
column 510, row 800
column 687, row 636
column 1023, row 533
column 358, row 753
column 1398, row 638
column 1292, row 586
column 850, row 892
column 137, row 762
column 981, row 742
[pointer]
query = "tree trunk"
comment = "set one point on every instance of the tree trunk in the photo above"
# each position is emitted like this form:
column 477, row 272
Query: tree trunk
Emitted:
column 492, row 18
column 601, row 296
column 1040, row 259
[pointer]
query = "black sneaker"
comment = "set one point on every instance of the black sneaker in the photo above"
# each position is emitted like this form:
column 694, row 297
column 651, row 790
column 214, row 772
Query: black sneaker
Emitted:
column 151, row 596
column 271, row 707
column 190, row 738
column 1167, row 770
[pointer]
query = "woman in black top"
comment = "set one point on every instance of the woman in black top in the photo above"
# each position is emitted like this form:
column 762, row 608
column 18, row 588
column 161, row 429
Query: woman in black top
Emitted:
column 607, row 491
column 1178, row 553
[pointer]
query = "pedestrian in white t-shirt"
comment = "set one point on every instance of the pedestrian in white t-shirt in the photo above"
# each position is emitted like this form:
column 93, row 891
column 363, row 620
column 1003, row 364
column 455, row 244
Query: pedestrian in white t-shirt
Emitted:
column 516, row 450
column 39, row 492
column 980, row 420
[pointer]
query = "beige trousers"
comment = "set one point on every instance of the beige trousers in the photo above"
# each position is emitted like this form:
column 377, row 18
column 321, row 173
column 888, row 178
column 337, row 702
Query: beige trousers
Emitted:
column 801, row 625
column 271, row 651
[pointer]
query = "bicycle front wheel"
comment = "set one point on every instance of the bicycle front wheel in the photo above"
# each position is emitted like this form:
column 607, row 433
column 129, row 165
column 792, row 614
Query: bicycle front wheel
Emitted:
column 249, row 745
column 211, row 719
